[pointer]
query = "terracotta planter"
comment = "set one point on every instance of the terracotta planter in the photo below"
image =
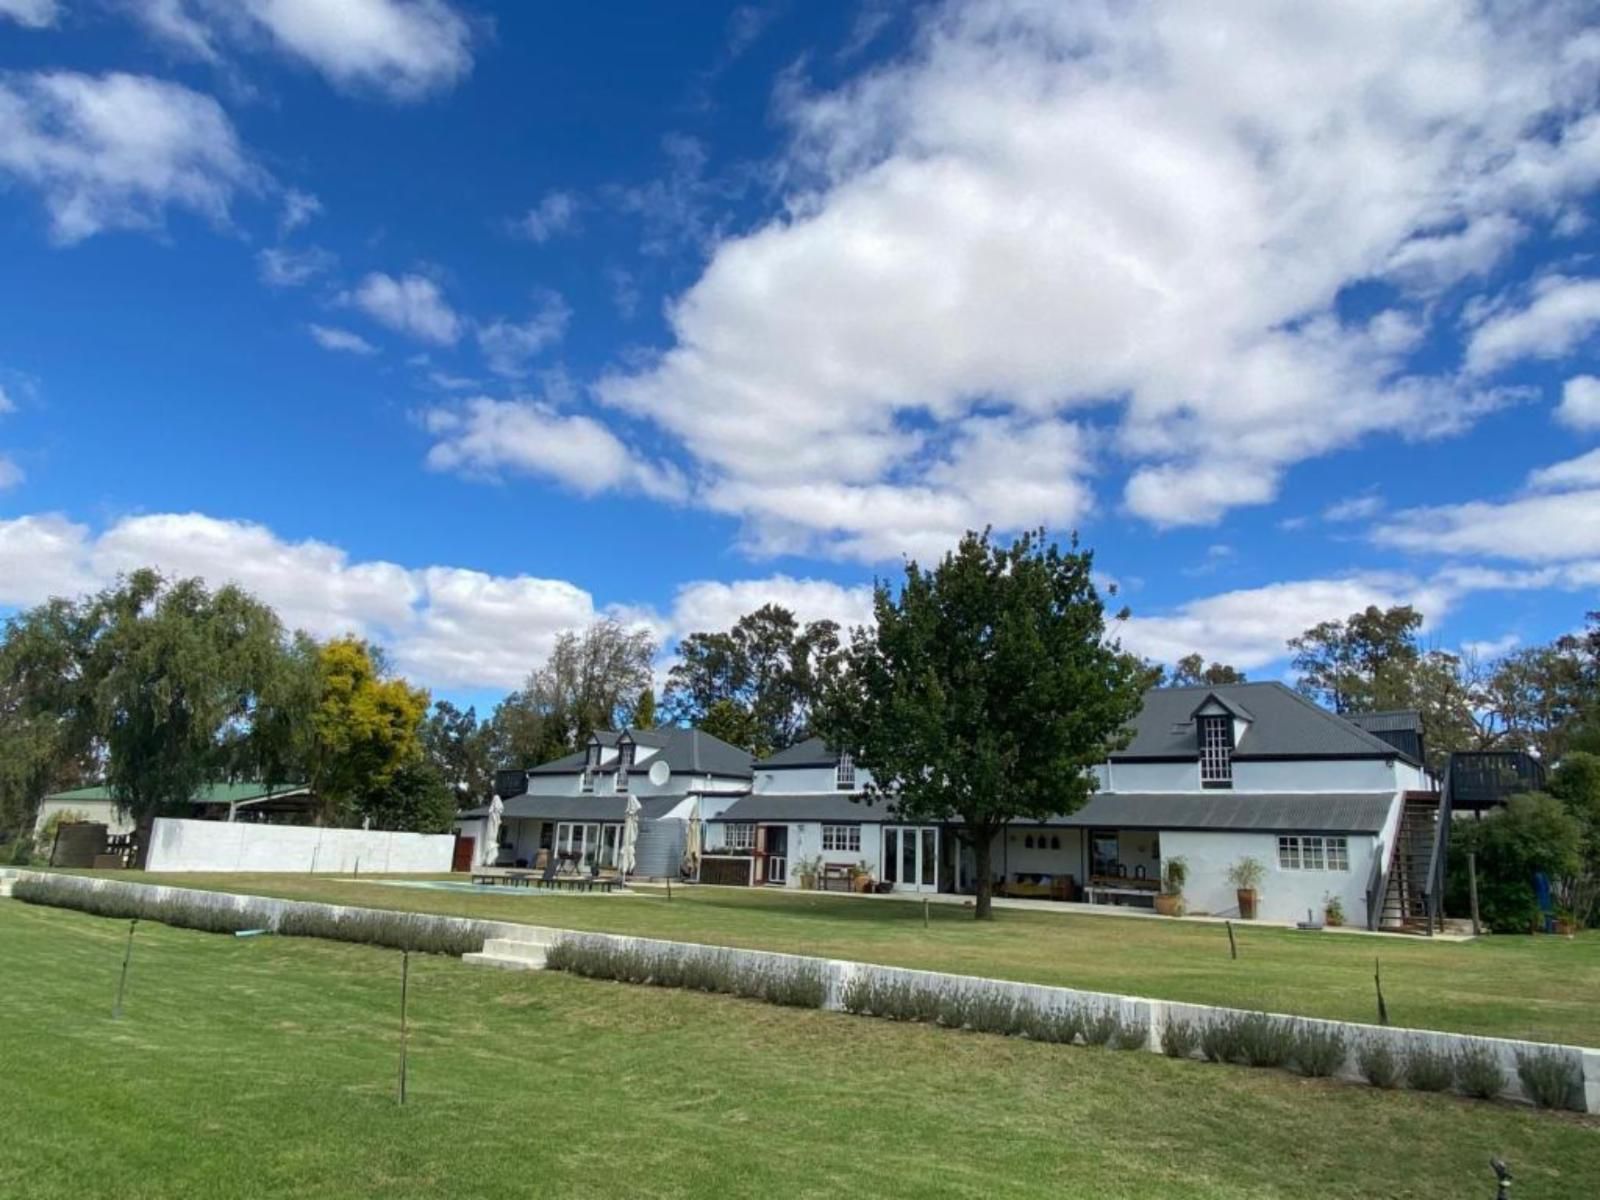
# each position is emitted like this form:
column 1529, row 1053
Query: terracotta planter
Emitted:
column 1169, row 904
column 1247, row 903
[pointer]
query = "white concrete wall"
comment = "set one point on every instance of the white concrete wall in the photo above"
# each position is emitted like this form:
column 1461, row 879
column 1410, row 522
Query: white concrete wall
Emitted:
column 1154, row 777
column 102, row 811
column 803, row 780
column 222, row 846
column 1012, row 855
column 1283, row 895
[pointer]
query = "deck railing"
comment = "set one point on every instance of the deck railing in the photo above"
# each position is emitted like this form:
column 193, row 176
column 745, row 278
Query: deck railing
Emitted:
column 1484, row 778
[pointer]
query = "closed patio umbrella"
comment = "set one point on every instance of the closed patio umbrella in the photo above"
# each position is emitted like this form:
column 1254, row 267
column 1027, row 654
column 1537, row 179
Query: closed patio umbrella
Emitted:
column 491, row 839
column 627, row 857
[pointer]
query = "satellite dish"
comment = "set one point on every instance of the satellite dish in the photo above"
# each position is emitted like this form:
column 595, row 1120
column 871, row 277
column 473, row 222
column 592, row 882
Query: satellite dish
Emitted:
column 660, row 773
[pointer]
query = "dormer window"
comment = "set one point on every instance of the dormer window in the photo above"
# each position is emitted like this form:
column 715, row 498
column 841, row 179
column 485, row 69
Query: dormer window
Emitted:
column 844, row 773
column 626, row 750
column 591, row 763
column 1216, row 751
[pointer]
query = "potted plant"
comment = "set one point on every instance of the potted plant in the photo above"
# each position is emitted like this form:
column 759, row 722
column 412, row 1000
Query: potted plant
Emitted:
column 808, row 869
column 1246, row 876
column 1174, row 874
column 861, row 877
column 1332, row 911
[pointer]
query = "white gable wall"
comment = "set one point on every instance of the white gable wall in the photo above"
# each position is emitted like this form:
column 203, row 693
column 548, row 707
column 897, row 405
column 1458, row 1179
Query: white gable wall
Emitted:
column 1283, row 895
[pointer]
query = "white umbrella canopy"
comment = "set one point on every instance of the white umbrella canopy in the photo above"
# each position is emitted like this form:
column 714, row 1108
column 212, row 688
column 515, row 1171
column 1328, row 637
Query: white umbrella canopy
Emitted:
column 491, row 837
column 628, row 855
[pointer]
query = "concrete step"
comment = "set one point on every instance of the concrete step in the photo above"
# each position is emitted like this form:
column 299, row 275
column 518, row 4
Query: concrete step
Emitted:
column 511, row 955
column 6, row 882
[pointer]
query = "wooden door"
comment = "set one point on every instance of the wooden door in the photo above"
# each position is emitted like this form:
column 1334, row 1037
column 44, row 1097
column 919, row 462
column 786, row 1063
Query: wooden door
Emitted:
column 462, row 860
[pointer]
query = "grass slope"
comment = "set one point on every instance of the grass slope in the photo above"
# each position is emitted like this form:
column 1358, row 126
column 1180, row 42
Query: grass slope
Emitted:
column 1542, row 989
column 266, row 1067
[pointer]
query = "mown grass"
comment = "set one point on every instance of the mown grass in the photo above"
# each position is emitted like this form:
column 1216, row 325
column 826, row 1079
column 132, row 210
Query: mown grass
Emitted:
column 1541, row 989
column 266, row 1067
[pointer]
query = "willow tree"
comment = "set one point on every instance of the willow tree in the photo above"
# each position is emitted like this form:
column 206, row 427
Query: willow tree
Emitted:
column 985, row 691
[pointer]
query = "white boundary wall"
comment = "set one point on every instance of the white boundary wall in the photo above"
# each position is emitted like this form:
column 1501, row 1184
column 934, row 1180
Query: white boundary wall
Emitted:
column 177, row 845
column 1154, row 1014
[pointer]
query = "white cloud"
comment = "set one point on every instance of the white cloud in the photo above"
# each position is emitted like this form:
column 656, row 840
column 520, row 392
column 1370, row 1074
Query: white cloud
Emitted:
column 1580, row 403
column 331, row 338
column 446, row 626
column 1150, row 209
column 10, row 474
column 709, row 605
column 1248, row 628
column 31, row 14
column 298, row 209
column 412, row 305
column 1354, row 508
column 403, row 49
column 556, row 213
column 1583, row 471
column 7, row 404
column 280, row 267
column 508, row 346
column 1555, row 527
column 116, row 151
column 485, row 436
column 1562, row 313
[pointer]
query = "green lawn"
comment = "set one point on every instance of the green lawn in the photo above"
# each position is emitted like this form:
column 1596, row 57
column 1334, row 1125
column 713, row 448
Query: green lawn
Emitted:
column 266, row 1067
column 1543, row 989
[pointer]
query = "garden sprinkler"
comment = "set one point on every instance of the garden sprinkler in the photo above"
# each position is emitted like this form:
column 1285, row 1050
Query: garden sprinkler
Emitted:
column 1502, row 1172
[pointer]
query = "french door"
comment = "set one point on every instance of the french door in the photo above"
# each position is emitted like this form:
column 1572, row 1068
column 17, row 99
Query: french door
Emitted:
column 911, row 857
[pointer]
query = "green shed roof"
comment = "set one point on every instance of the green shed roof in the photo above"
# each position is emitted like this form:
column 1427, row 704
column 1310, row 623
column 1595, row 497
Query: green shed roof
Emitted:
column 215, row 793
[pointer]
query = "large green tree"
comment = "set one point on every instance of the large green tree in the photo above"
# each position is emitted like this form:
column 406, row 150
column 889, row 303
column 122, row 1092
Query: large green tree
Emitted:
column 1352, row 665
column 769, row 667
column 458, row 748
column 986, row 690
column 1192, row 671
column 178, row 669
column 367, row 729
column 591, row 681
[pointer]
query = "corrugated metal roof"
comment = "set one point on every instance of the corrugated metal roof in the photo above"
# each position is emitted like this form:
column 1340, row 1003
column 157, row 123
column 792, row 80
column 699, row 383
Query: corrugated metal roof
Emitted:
column 813, row 752
column 806, row 806
column 681, row 749
column 1400, row 720
column 1312, row 812
column 215, row 793
column 1285, row 724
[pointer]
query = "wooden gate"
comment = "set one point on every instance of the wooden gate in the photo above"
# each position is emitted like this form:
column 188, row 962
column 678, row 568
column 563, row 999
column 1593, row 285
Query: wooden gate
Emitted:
column 461, row 862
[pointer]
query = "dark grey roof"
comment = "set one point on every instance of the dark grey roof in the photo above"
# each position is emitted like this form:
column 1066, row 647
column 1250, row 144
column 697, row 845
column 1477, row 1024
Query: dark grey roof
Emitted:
column 1284, row 724
column 1307, row 812
column 1400, row 720
column 684, row 750
column 587, row 808
column 813, row 752
column 806, row 806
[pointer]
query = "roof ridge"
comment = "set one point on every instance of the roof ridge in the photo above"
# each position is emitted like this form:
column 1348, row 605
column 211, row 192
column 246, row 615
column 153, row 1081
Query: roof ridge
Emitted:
column 1374, row 740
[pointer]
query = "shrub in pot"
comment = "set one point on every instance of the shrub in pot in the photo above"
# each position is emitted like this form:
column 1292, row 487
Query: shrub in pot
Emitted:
column 1246, row 876
column 1174, row 874
column 1332, row 911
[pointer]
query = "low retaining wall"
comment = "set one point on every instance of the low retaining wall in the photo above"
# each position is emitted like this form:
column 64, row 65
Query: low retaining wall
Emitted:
column 177, row 845
column 1131, row 1010
column 269, row 913
column 208, row 909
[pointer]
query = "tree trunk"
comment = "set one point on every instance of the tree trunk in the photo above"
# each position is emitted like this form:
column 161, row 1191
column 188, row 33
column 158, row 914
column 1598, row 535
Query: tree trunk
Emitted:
column 982, row 853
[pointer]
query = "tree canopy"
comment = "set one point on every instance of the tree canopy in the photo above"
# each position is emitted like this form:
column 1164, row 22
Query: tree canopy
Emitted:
column 986, row 690
column 756, row 684
column 1191, row 671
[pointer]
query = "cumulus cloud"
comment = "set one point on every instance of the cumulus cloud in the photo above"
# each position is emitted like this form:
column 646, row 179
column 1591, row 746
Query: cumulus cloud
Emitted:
column 1248, row 628
column 1553, row 522
column 555, row 214
column 1561, row 314
column 1583, row 471
column 299, row 208
column 485, row 436
column 447, row 626
column 342, row 340
column 31, row 14
column 411, row 304
column 116, row 151
column 1042, row 210
column 509, row 346
column 283, row 268
column 1580, row 403
column 402, row 49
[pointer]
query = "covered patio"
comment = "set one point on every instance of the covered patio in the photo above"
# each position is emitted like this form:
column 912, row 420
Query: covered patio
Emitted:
column 584, row 834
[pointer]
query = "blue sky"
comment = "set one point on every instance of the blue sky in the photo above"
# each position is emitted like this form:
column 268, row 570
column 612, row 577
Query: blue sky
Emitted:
column 460, row 324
